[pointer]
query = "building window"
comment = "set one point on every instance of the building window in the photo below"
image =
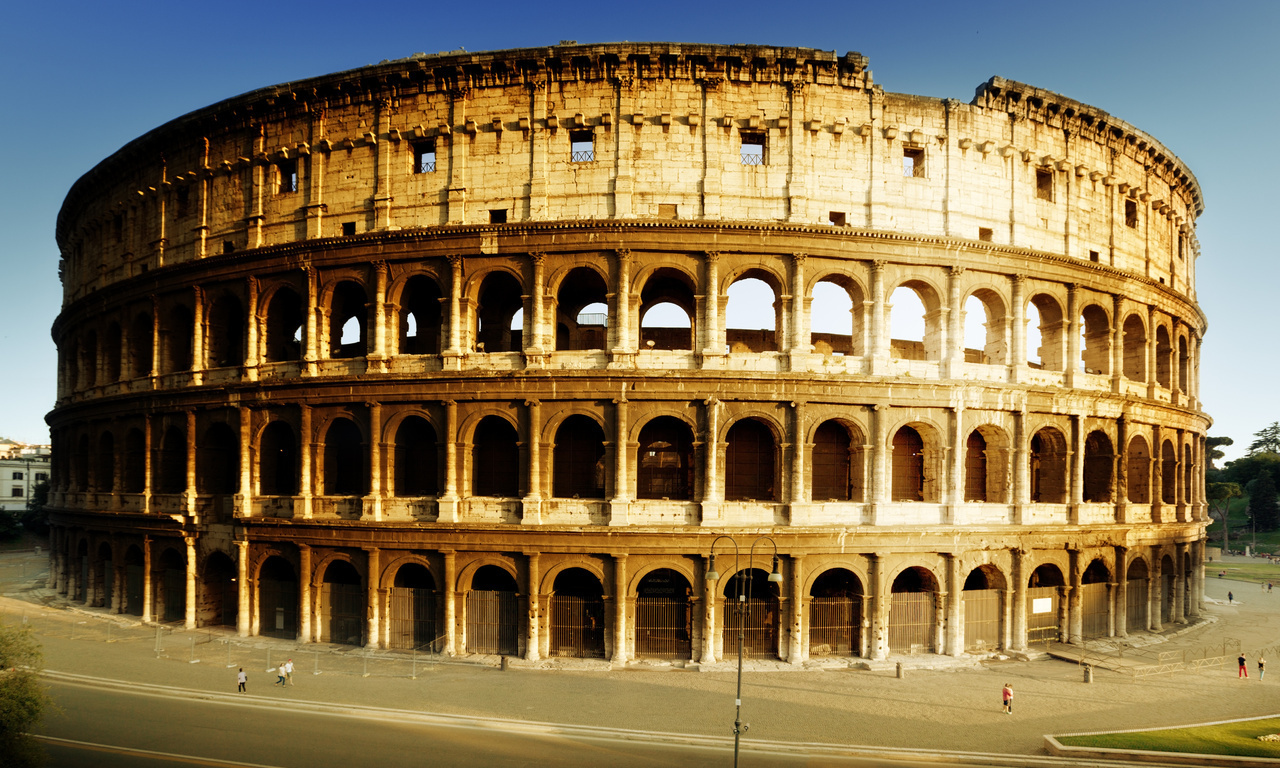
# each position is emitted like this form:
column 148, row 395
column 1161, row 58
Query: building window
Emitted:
column 1044, row 184
column 836, row 218
column 228, row 246
column 1094, row 256
column 667, row 211
column 913, row 162
column 752, row 148
column 348, row 228
column 288, row 170
column 17, row 475
column 424, row 156
column 498, row 216
column 985, row 234
column 1130, row 213
column 16, row 492
column 41, row 477
column 582, row 146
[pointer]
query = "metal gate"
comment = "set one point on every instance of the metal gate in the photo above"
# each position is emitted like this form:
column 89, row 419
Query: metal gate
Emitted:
column 493, row 622
column 981, row 619
column 342, row 613
column 1042, row 614
column 175, row 594
column 108, row 582
column 663, row 628
column 1137, row 603
column 760, row 638
column 577, row 626
column 278, row 608
column 413, row 618
column 133, row 589
column 1095, row 607
column 912, row 621
column 835, row 626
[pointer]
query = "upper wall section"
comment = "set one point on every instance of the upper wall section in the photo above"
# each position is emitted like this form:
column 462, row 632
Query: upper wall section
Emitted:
column 759, row 135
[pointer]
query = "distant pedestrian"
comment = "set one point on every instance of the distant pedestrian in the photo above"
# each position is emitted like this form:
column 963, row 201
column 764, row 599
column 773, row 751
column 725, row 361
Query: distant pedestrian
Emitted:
column 241, row 678
column 1230, row 598
column 1007, row 696
column 279, row 676
column 288, row 671
column 1262, row 667
column 1244, row 669
column 1268, row 587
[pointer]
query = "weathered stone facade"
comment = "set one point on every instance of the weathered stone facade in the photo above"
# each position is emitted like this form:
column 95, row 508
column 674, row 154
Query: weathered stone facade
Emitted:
column 325, row 370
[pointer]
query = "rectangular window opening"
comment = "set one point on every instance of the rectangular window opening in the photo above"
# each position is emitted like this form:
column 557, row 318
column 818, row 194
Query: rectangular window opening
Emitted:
column 184, row 202
column 752, row 148
column 288, row 170
column 913, row 162
column 836, row 218
column 1044, row 184
column 582, row 146
column 1094, row 256
column 424, row 156
column 348, row 228
column 1130, row 213
column 498, row 216
column 228, row 246
column 16, row 493
column 985, row 234
column 668, row 211
column 17, row 475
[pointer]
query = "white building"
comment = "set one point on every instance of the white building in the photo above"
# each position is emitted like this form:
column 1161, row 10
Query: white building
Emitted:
column 22, row 468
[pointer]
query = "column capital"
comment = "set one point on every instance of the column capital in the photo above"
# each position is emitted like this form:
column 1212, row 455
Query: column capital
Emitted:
column 538, row 258
column 955, row 270
column 455, row 260
column 712, row 256
column 532, row 403
column 623, row 254
column 798, row 259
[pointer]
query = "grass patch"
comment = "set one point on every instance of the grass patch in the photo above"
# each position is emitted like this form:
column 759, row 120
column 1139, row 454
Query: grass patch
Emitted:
column 1257, row 571
column 1239, row 739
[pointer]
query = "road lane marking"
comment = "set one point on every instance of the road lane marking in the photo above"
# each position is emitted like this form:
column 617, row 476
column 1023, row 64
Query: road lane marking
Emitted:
column 130, row 752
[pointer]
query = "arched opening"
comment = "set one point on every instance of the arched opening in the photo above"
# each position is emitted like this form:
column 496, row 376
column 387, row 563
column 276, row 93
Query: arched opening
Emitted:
column 105, row 577
column 577, row 615
column 171, row 597
column 347, row 321
column 1188, row 474
column 218, row 461
column 1164, row 358
column 345, row 466
column 81, row 565
column 170, row 471
column 1138, row 469
column 748, row 326
column 578, row 459
column 342, row 599
column 278, row 599
column 226, row 326
column 1095, row 600
column 1045, row 604
column 104, row 478
column 1046, row 334
column 135, row 456
column 412, row 619
column 1168, row 579
column 838, row 463
column 417, row 465
column 582, row 312
column 284, row 327
column 1095, row 335
column 835, row 614
column 89, row 365
column 278, row 461
column 665, row 460
column 914, row 322
column 913, row 612
column 1099, row 463
column 757, row 616
column 983, row 606
column 140, row 346
column 420, row 317
column 1168, row 473
column 493, row 612
column 975, row 467
column 667, row 309
column 835, row 317
column 908, row 465
column 111, row 353
column 1048, row 467
column 1183, row 365
column 749, row 462
column 1135, row 349
column 985, row 336
column 133, row 581
column 499, row 302
column 175, row 338
column 1137, row 597
column 495, row 459
column 80, row 464
column 219, row 596
column 664, row 616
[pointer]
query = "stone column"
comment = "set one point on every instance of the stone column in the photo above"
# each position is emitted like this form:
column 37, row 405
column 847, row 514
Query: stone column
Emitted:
column 797, row 652
column 1155, row 594
column 252, row 322
column 1019, row 607
column 534, row 323
column 711, row 508
column 374, row 608
column 453, row 354
column 713, row 345
column 1122, row 592
column 620, row 609
column 1120, row 486
column 620, row 304
column 244, row 507
column 189, row 615
column 305, row 449
column 1072, row 367
column 954, row 643
column 448, row 504
column 1021, row 468
column 1075, row 617
column 533, row 642
column 954, row 495
column 377, row 357
column 879, row 448
column 1117, row 342
column 879, row 613
column 311, row 354
column 155, row 339
column 879, row 350
column 799, row 491
column 952, row 351
column 1197, row 579
column 189, row 495
column 450, row 602
column 374, row 502
column 148, row 602
column 1076, row 459
column 197, row 335
column 1180, row 490
column 147, row 461
column 304, row 593
column 244, row 596
column 119, row 578
column 799, row 341
column 532, row 504
column 708, row 614
column 1179, row 584
column 1156, row 476
column 1018, row 357
column 1153, row 359
column 619, row 505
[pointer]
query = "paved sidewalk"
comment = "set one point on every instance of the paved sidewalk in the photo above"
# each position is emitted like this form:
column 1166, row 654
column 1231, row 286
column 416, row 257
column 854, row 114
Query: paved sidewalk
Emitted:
column 941, row 703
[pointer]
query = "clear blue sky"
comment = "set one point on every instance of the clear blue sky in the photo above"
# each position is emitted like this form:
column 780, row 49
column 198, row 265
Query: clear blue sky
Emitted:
column 83, row 78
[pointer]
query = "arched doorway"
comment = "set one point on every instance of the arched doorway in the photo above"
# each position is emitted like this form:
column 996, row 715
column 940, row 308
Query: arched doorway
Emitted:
column 412, row 613
column 1044, row 603
column 277, row 599
column 1137, row 597
column 1095, row 601
column 664, row 616
column 835, row 614
column 983, row 607
column 760, row 622
column 913, row 612
column 133, row 581
column 493, row 612
column 665, row 460
column 1168, row 579
column 105, row 576
column 577, row 615
column 171, row 602
column 219, row 600
column 908, row 465
column 749, row 462
column 342, row 614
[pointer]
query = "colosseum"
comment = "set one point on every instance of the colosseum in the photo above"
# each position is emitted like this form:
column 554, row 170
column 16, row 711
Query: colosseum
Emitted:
column 453, row 353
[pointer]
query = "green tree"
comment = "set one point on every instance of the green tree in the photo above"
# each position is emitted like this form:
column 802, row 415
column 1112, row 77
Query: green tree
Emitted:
column 1264, row 507
column 1220, row 496
column 1211, row 445
column 22, row 697
column 1266, row 440
column 1244, row 469
column 34, row 518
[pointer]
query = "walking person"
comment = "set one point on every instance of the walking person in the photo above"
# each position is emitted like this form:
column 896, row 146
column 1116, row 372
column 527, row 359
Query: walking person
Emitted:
column 1230, row 598
column 279, row 676
column 1007, row 696
column 1244, row 668
column 241, row 679
column 1262, row 667
column 288, row 671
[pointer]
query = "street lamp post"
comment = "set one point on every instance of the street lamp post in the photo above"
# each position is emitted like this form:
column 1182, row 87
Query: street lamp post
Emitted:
column 743, row 610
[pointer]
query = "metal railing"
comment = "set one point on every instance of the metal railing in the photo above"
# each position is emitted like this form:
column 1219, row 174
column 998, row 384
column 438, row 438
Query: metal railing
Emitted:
column 582, row 156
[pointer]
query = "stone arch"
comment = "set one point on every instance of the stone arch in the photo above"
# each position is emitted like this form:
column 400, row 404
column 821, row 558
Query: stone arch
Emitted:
column 171, row 587
column 1184, row 361
column 929, row 346
column 412, row 606
column 104, row 476
column 342, row 601
column 751, row 459
column 1135, row 348
column 345, row 468
column 134, row 474
column 493, row 615
column 1099, row 467
column 576, row 289
column 664, row 600
column 836, row 601
column 989, row 478
column 1164, row 357
column 218, row 460
column 111, row 352
column 916, row 465
column 225, row 332
column 762, row 622
column 1048, row 470
column 577, row 610
column 347, row 332
column 578, row 458
column 277, row 459
column 416, row 460
column 1168, row 473
column 494, row 452
column 665, row 458
column 995, row 337
column 667, row 286
column 677, row 565
column 1138, row 469
column 175, row 338
column 498, row 297
column 141, row 345
column 746, row 339
column 982, row 605
column 835, row 293
column 419, row 321
column 913, row 614
column 838, row 461
column 169, row 472
column 219, row 596
column 1095, row 347
column 285, row 325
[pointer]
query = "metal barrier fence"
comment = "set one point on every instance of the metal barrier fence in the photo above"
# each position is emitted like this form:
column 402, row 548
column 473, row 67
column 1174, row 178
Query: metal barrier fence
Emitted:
column 834, row 624
column 663, row 628
column 913, row 618
column 982, row 619
column 760, row 632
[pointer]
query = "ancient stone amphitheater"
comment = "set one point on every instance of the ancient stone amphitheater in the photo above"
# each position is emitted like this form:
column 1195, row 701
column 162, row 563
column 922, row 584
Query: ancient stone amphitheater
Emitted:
column 454, row 353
